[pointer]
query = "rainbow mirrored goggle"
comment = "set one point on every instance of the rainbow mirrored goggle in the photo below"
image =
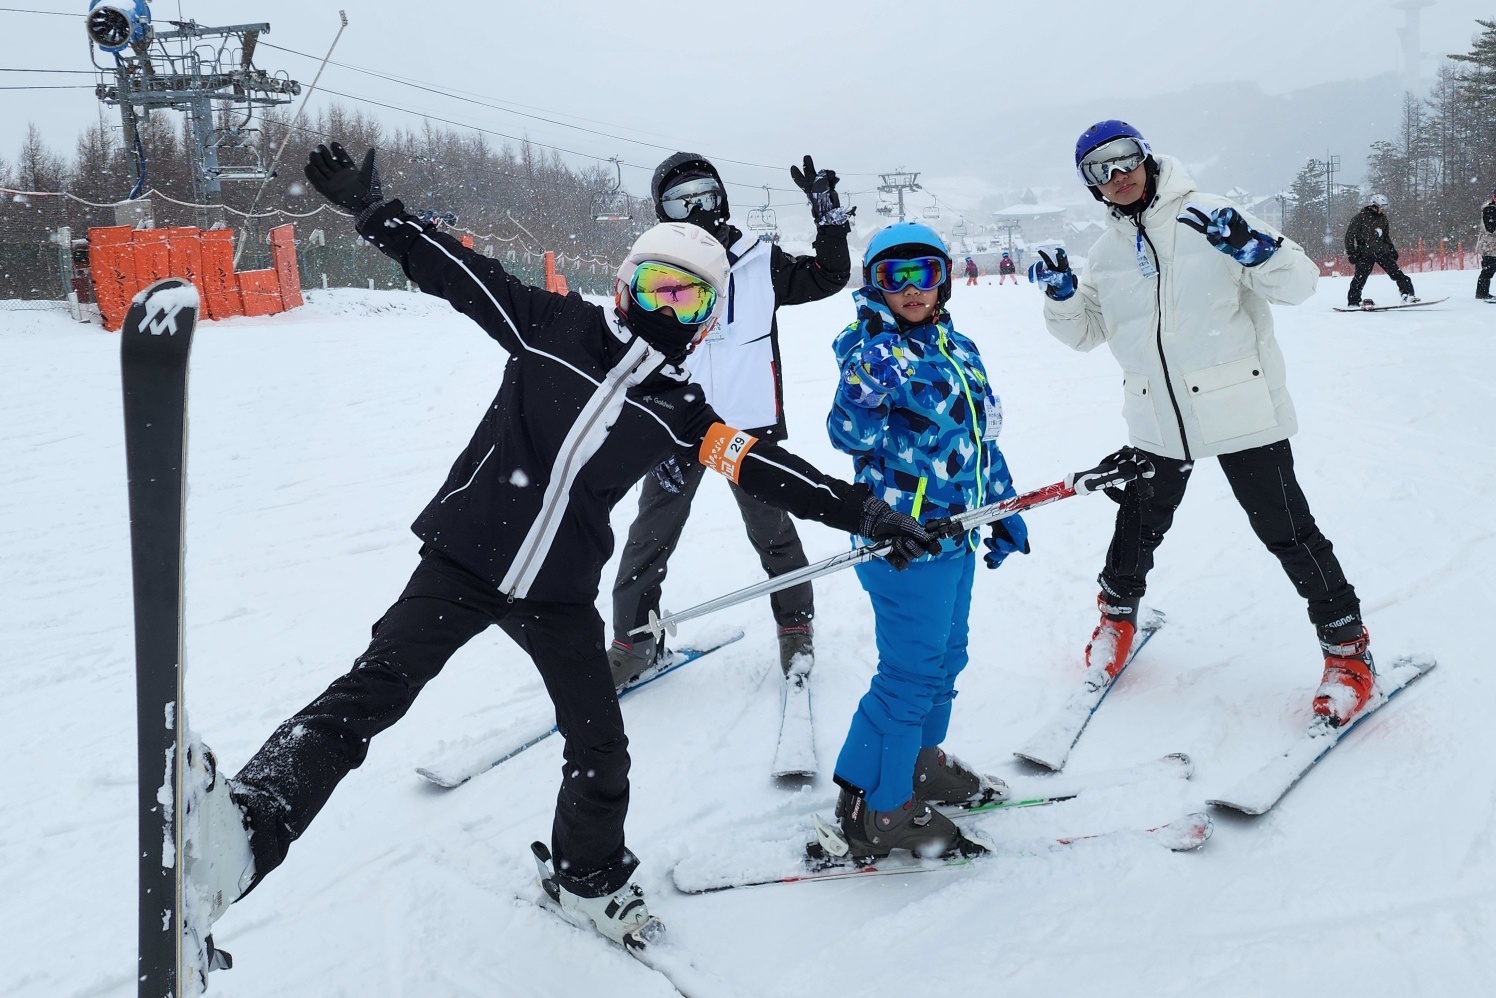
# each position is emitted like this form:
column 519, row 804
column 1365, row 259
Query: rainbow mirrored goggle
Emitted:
column 925, row 273
column 1121, row 155
column 659, row 285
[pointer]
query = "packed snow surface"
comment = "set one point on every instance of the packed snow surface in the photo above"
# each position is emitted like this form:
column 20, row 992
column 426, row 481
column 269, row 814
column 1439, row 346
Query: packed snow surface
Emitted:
column 316, row 437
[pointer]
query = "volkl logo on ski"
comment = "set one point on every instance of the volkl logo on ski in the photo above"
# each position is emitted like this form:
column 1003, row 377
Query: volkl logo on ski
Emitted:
column 160, row 316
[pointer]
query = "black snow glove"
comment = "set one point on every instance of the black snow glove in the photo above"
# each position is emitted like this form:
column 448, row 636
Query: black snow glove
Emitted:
column 820, row 190
column 354, row 188
column 1119, row 472
column 910, row 540
column 668, row 474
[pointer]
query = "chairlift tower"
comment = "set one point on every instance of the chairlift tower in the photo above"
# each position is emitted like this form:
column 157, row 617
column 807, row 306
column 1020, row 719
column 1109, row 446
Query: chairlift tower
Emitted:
column 189, row 68
column 897, row 183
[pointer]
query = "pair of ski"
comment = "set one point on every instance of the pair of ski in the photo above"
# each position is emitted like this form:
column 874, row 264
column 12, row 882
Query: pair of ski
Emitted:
column 794, row 756
column 1258, row 791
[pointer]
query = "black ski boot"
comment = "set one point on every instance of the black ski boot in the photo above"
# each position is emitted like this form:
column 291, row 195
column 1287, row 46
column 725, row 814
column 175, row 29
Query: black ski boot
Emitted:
column 943, row 779
column 914, row 826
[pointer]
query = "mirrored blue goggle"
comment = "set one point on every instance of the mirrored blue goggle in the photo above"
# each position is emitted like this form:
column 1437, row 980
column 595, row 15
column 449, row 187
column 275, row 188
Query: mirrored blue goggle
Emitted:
column 1121, row 155
column 679, row 201
column 925, row 273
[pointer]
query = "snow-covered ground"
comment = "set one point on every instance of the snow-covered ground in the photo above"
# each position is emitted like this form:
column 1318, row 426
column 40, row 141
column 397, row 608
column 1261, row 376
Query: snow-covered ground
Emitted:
column 318, row 435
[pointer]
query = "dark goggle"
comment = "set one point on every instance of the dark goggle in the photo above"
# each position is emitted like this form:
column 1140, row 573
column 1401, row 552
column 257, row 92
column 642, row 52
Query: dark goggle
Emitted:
column 925, row 273
column 679, row 201
column 659, row 285
column 1121, row 155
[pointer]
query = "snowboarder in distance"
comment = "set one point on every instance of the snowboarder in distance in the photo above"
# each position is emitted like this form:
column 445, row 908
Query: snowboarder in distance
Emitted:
column 1202, row 377
column 591, row 399
column 1485, row 247
column 915, row 409
column 1368, row 243
column 972, row 272
column 738, row 366
column 1006, row 269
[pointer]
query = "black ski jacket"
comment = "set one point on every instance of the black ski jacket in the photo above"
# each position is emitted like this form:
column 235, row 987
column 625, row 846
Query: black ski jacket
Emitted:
column 1369, row 237
column 584, row 410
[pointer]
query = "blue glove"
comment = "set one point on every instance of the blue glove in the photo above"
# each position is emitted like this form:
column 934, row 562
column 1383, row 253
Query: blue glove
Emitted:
column 1054, row 273
column 668, row 474
column 1009, row 536
column 879, row 370
column 1229, row 232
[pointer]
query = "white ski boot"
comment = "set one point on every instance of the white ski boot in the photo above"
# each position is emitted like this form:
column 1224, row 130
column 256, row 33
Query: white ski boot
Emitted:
column 622, row 916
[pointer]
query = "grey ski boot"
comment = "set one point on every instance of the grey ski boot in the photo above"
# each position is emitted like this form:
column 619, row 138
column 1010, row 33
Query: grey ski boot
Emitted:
column 914, row 826
column 630, row 661
column 795, row 644
column 943, row 779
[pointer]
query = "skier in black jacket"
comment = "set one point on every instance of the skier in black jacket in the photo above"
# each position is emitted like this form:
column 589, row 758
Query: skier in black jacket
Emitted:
column 1368, row 243
column 738, row 366
column 1485, row 245
column 590, row 401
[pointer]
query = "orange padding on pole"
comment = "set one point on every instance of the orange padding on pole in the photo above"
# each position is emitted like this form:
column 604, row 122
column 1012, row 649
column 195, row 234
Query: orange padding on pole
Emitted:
column 122, row 261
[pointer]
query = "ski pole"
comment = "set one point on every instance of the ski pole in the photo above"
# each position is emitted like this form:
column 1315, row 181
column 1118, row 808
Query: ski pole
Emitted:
column 1115, row 470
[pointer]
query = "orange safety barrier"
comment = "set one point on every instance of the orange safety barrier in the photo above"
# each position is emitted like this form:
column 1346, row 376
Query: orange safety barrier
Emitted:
column 553, row 281
column 122, row 261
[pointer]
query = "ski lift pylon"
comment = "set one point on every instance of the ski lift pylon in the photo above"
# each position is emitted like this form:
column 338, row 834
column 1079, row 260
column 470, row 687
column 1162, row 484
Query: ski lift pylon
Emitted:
column 613, row 205
column 762, row 218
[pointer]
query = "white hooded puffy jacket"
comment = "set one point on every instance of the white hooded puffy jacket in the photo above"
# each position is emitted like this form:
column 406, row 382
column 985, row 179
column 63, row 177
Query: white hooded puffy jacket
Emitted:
column 1191, row 327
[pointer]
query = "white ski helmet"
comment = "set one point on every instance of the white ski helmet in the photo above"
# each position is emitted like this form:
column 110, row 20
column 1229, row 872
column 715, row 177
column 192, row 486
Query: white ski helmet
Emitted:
column 1380, row 200
column 684, row 245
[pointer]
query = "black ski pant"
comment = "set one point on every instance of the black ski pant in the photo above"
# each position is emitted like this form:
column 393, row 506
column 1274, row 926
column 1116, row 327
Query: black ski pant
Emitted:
column 1263, row 482
column 656, row 531
column 1363, row 271
column 442, row 608
column 1487, row 271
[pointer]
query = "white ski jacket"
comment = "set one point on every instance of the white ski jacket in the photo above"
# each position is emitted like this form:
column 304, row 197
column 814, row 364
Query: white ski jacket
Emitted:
column 1201, row 372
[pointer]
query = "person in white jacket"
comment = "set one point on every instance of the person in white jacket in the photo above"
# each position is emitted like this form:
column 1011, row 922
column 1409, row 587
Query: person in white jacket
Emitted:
column 1179, row 287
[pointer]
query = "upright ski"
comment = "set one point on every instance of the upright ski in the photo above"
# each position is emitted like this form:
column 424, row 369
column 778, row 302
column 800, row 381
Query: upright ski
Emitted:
column 1050, row 746
column 1261, row 790
column 155, row 342
column 453, row 769
column 795, row 752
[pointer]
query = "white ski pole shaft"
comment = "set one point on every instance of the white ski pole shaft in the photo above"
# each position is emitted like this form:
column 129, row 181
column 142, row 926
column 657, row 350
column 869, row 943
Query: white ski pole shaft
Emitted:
column 1078, row 484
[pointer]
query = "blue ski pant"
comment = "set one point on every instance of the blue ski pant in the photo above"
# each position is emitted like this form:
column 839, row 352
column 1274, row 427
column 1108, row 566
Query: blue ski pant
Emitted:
column 920, row 620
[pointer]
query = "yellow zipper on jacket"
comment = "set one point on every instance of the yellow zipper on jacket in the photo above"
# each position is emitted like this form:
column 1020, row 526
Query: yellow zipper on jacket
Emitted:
column 971, row 408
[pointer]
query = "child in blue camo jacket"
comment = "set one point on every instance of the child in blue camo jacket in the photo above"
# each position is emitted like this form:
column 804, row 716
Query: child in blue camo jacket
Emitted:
column 916, row 411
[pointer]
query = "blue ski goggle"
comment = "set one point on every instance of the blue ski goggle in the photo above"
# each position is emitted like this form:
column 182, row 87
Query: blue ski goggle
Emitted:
column 890, row 276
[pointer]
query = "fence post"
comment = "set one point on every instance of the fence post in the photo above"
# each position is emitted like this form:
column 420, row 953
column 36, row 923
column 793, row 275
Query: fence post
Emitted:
column 1441, row 253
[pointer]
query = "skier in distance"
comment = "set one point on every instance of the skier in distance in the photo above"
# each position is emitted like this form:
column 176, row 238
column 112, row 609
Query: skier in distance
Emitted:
column 1368, row 243
column 1485, row 248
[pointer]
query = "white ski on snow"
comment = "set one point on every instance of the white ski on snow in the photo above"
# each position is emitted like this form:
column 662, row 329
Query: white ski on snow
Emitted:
column 791, row 860
column 455, row 767
column 1050, row 746
column 795, row 752
column 1257, row 793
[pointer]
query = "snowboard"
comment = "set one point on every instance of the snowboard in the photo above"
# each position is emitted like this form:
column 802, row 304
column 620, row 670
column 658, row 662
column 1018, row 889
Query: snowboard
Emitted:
column 1390, row 308
column 155, row 342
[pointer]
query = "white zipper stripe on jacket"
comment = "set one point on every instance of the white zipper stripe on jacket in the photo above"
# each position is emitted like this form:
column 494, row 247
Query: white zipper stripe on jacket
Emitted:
column 587, row 434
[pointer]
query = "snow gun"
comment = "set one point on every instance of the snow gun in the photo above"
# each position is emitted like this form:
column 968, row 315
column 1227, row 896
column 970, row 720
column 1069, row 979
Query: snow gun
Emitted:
column 1114, row 471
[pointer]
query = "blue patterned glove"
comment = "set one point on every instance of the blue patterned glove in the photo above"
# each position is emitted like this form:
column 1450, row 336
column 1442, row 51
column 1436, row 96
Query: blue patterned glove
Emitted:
column 668, row 474
column 1229, row 232
column 879, row 370
column 1009, row 536
column 1054, row 273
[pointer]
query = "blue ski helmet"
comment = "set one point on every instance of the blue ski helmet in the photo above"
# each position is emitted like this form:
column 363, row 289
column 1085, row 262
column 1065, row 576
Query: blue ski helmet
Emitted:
column 1100, row 134
column 906, row 237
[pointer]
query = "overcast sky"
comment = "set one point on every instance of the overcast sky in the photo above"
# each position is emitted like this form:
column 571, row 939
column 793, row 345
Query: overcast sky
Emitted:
column 865, row 85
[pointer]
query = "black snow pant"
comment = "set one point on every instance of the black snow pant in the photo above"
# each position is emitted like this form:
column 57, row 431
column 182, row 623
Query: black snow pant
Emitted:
column 442, row 608
column 1363, row 271
column 1263, row 482
column 1487, row 271
column 657, row 529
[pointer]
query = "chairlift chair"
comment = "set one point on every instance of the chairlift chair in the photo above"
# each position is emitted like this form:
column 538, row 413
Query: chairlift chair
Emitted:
column 931, row 210
column 613, row 205
column 958, row 231
column 762, row 218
